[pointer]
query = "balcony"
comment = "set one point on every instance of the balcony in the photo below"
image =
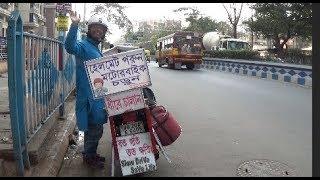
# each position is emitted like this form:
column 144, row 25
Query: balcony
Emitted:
column 41, row 18
column 35, row 10
column 31, row 24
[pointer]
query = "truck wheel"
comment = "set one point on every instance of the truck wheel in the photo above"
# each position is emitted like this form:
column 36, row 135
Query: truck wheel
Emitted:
column 159, row 64
column 171, row 66
column 190, row 66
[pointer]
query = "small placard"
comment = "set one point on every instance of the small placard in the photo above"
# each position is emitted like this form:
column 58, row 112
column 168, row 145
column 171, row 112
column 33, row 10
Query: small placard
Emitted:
column 124, row 102
column 135, row 154
column 63, row 23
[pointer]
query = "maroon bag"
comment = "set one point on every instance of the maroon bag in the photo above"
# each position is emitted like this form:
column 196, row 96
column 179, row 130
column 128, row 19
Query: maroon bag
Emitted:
column 165, row 125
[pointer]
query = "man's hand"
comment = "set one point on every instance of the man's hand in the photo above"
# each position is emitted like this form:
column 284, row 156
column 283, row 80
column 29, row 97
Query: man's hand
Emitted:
column 74, row 18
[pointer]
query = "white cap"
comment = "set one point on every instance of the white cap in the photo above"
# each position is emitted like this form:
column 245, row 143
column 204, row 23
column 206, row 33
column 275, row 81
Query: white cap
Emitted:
column 97, row 19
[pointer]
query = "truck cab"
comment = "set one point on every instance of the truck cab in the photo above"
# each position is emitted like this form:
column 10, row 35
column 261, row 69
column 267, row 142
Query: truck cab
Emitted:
column 233, row 44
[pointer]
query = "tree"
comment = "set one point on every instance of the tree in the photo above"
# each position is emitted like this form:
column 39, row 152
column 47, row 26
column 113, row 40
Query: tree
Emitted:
column 282, row 21
column 147, row 36
column 234, row 17
column 198, row 24
column 224, row 28
column 114, row 12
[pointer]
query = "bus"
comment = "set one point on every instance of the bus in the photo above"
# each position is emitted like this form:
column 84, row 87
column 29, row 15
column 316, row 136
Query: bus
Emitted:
column 178, row 49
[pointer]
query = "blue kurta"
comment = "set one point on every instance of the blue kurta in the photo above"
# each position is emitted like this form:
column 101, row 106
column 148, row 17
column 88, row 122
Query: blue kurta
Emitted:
column 88, row 110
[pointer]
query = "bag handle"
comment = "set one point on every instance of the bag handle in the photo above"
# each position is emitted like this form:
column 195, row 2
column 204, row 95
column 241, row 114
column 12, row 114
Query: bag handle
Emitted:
column 164, row 109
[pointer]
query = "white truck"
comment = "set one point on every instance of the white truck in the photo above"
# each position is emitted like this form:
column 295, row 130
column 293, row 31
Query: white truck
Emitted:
column 215, row 41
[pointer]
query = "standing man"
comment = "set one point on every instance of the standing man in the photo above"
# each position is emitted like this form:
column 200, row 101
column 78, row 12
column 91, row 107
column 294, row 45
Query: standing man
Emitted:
column 90, row 113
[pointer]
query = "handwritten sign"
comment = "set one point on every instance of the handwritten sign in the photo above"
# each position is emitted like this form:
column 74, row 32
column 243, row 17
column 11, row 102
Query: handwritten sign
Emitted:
column 135, row 154
column 63, row 23
column 124, row 101
column 118, row 72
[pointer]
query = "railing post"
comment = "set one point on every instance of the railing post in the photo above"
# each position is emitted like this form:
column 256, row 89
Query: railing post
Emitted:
column 16, row 84
column 62, row 35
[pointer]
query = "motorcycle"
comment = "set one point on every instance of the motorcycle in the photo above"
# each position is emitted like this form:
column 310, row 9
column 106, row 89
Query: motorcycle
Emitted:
column 139, row 136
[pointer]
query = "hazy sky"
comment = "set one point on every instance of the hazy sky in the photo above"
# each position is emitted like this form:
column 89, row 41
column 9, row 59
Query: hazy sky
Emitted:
column 153, row 11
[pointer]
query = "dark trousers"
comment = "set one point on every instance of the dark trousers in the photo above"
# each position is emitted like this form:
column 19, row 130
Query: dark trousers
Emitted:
column 91, row 139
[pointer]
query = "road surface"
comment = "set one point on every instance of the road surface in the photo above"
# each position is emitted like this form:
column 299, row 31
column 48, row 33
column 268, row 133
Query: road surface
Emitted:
column 227, row 119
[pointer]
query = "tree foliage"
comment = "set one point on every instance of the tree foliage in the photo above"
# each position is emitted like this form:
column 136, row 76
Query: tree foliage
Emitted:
column 147, row 36
column 197, row 22
column 234, row 14
column 281, row 22
column 224, row 28
column 114, row 13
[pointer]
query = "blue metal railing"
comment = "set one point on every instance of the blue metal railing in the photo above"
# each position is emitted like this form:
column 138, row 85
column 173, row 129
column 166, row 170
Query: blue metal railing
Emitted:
column 41, row 75
column 16, row 90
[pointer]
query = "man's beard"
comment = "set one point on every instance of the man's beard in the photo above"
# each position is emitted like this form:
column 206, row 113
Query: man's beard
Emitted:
column 98, row 40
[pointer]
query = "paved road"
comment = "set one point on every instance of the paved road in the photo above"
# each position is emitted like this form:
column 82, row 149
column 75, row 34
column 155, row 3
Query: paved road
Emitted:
column 226, row 119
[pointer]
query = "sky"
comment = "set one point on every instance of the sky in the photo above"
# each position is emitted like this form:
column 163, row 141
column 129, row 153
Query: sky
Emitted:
column 156, row 11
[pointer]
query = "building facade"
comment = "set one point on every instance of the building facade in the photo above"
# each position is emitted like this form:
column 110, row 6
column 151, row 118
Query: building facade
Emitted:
column 33, row 17
column 5, row 10
column 32, row 14
column 50, row 16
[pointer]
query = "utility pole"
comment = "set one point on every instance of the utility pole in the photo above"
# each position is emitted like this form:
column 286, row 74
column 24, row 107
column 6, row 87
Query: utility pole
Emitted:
column 62, row 9
column 84, row 11
column 251, row 34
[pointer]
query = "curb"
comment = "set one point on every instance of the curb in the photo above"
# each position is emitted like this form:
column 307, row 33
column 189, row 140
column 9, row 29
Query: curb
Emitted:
column 296, row 74
column 56, row 147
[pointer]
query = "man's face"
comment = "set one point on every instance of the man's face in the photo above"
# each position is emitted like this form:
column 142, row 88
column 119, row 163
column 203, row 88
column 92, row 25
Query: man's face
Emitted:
column 97, row 32
column 98, row 85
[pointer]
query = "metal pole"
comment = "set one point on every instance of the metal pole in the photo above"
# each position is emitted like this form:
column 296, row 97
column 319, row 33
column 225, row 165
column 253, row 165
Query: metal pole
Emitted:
column 62, row 35
column 84, row 12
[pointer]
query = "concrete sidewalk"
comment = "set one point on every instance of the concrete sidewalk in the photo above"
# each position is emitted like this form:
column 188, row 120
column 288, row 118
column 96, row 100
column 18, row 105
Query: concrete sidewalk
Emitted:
column 48, row 146
column 57, row 144
column 72, row 164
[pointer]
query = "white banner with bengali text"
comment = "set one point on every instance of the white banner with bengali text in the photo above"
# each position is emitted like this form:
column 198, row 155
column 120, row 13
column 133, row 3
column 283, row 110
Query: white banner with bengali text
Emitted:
column 117, row 73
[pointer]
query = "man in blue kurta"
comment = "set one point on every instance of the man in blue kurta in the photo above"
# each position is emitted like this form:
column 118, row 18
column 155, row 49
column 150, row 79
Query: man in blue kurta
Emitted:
column 90, row 112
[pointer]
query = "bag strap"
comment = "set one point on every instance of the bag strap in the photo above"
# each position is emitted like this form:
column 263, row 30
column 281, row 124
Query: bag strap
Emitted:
column 165, row 116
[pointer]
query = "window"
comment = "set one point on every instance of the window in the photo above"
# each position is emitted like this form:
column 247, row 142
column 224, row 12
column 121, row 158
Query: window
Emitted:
column 31, row 17
column 31, row 5
column 224, row 44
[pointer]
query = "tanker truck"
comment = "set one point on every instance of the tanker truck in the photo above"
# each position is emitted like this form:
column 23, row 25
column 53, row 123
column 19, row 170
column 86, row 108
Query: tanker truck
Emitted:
column 215, row 41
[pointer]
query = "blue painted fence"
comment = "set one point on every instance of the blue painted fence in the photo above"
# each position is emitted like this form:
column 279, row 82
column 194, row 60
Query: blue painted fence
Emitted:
column 41, row 75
